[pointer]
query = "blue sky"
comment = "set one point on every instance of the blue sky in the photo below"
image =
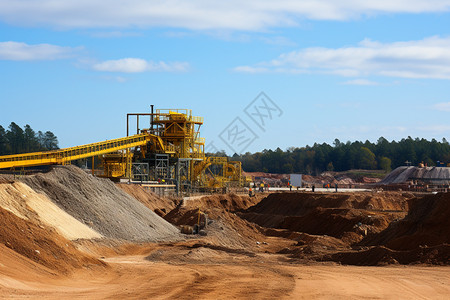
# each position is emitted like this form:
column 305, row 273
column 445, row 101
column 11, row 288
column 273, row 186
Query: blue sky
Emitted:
column 353, row 70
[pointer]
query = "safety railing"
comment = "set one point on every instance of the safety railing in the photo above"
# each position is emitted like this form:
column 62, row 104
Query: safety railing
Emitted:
column 63, row 156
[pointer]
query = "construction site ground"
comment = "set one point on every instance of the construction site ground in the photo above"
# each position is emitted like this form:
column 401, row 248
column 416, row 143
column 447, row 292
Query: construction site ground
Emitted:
column 67, row 234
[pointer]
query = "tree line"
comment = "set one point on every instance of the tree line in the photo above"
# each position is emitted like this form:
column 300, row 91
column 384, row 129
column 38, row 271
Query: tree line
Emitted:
column 16, row 140
column 382, row 155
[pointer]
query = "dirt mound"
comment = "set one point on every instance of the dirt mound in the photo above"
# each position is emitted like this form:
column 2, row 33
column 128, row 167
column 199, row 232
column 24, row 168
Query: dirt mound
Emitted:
column 224, row 228
column 229, row 202
column 325, row 224
column 25, row 203
column 421, row 237
column 328, row 214
column 335, row 222
column 380, row 255
column 102, row 206
column 42, row 244
column 159, row 205
column 314, row 246
column 4, row 180
column 407, row 174
column 427, row 224
column 301, row 203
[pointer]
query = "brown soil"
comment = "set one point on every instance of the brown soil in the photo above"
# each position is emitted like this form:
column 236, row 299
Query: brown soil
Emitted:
column 348, row 216
column 223, row 226
column 205, row 273
column 427, row 224
column 42, row 244
column 160, row 205
column 284, row 245
column 421, row 237
column 360, row 229
column 228, row 202
column 380, row 255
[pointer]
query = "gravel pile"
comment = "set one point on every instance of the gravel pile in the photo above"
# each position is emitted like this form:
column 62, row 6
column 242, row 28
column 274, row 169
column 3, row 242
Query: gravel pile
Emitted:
column 404, row 174
column 102, row 206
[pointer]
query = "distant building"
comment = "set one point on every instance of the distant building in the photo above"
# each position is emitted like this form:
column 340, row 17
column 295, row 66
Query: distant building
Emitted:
column 295, row 180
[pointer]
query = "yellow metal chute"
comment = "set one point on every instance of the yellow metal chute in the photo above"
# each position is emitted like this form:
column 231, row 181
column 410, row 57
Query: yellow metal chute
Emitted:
column 64, row 156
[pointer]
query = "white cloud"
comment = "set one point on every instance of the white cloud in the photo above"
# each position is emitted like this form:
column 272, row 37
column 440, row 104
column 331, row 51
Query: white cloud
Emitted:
column 119, row 79
column 248, row 69
column 434, row 129
column 137, row 65
column 278, row 41
column 427, row 58
column 360, row 82
column 21, row 51
column 201, row 14
column 115, row 34
column 445, row 106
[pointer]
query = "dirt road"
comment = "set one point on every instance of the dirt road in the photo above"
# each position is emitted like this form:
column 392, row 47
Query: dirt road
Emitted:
column 239, row 278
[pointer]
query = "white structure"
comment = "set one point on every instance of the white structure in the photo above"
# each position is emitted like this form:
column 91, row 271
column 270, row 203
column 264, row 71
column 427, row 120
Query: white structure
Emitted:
column 296, row 180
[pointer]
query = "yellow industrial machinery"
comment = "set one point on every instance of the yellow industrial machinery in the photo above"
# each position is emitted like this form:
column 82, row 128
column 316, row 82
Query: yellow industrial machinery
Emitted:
column 217, row 171
column 171, row 148
column 180, row 132
column 65, row 156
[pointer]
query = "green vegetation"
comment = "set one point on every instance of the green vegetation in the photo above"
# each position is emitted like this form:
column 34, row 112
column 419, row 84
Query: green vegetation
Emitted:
column 17, row 140
column 382, row 155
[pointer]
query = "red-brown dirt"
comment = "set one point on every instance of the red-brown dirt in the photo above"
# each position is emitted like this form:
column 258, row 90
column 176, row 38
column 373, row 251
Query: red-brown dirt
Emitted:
column 223, row 226
column 328, row 226
column 380, row 255
column 42, row 245
column 348, row 216
column 159, row 205
column 230, row 202
column 426, row 225
column 237, row 258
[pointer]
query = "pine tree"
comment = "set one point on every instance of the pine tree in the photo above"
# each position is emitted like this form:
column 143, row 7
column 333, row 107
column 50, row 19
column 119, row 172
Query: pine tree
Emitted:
column 4, row 145
column 30, row 139
column 50, row 141
column 15, row 138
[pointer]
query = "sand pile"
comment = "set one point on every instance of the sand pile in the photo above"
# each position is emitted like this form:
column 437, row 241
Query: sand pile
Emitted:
column 5, row 180
column 405, row 174
column 42, row 244
column 102, row 206
column 159, row 205
column 25, row 203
